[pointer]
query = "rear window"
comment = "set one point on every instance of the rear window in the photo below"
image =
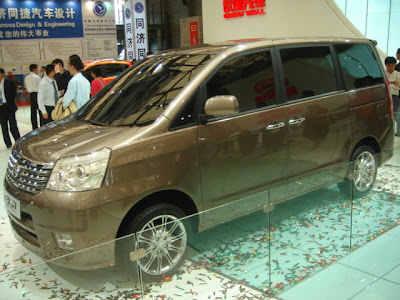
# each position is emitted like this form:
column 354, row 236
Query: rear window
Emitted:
column 359, row 65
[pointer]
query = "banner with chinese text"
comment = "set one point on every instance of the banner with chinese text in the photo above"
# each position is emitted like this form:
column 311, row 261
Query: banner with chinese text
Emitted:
column 40, row 19
column 129, row 32
column 40, row 31
column 139, row 24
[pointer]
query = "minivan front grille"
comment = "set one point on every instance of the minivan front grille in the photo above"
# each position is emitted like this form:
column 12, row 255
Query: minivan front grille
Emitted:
column 25, row 175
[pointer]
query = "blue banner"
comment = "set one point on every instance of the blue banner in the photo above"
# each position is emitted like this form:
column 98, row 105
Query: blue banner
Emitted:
column 40, row 19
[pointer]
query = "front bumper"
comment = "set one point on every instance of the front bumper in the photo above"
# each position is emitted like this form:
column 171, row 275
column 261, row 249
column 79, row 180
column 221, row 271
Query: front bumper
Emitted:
column 89, row 227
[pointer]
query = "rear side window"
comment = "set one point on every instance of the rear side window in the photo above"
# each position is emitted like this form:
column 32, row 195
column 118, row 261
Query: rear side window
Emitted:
column 359, row 65
column 113, row 69
column 308, row 72
column 250, row 78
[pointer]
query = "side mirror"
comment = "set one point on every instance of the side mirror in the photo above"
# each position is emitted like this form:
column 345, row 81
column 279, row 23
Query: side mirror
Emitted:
column 221, row 106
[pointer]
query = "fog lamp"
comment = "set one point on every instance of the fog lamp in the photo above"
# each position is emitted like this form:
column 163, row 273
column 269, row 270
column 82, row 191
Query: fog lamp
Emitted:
column 64, row 241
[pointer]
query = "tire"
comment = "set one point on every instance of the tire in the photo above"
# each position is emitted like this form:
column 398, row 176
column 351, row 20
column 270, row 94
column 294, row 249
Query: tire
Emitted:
column 363, row 168
column 164, row 237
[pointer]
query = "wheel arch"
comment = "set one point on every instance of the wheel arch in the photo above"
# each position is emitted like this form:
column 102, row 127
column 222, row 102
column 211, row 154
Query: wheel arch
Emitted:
column 174, row 197
column 373, row 143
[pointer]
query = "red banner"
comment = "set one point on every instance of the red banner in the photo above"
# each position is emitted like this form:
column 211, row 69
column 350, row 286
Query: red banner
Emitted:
column 194, row 33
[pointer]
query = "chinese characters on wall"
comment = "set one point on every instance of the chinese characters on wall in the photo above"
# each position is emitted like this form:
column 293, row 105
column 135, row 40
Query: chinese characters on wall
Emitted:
column 240, row 8
column 30, row 20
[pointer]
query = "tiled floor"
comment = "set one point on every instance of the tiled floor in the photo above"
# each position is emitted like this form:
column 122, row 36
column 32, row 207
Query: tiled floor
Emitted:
column 371, row 272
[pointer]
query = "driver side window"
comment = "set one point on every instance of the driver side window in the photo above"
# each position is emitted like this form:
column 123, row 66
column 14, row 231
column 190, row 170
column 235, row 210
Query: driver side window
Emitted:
column 250, row 78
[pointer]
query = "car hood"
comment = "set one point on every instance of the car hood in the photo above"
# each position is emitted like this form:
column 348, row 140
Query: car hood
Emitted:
column 65, row 138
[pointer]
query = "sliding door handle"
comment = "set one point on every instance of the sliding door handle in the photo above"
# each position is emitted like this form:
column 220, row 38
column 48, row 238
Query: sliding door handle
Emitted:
column 275, row 126
column 296, row 121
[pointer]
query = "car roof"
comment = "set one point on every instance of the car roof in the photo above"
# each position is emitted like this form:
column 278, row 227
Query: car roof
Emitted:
column 254, row 43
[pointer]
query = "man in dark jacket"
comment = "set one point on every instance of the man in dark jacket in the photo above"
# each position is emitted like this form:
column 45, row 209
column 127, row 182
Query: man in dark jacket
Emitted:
column 62, row 76
column 397, row 68
column 8, row 109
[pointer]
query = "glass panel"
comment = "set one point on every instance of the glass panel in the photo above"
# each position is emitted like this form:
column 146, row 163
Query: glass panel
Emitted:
column 356, row 11
column 311, row 231
column 394, row 37
column 379, row 210
column 313, row 63
column 250, row 78
column 247, row 248
column 188, row 115
column 355, row 219
column 378, row 22
column 226, row 261
column 52, row 280
column 359, row 65
column 342, row 5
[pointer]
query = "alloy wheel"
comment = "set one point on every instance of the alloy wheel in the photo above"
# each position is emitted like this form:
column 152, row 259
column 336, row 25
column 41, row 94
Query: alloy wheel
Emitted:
column 164, row 239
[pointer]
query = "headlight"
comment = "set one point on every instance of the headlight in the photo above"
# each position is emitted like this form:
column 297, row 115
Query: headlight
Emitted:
column 80, row 172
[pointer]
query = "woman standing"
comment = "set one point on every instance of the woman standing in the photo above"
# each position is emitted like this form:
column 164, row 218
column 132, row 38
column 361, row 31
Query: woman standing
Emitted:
column 98, row 82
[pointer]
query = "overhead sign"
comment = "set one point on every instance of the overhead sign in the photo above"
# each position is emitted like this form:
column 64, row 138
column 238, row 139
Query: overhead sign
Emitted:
column 99, row 29
column 40, row 19
column 135, row 19
column 140, row 28
column 241, row 8
column 129, row 31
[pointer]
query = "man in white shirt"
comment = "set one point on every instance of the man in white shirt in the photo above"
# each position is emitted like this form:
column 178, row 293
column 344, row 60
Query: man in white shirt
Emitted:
column 48, row 94
column 394, row 80
column 78, row 87
column 32, row 84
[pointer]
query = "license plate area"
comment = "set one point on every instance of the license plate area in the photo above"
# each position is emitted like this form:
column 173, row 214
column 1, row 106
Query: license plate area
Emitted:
column 13, row 206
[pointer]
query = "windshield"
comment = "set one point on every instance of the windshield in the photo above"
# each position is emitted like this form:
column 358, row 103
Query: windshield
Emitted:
column 140, row 95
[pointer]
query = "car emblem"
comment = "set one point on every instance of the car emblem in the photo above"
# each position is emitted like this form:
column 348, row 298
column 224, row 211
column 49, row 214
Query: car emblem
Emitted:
column 15, row 170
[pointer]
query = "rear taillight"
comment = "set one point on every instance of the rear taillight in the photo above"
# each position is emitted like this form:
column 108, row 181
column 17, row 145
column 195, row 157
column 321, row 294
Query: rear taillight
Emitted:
column 389, row 98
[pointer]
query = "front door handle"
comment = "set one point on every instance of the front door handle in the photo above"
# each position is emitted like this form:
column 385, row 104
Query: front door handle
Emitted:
column 275, row 126
column 296, row 121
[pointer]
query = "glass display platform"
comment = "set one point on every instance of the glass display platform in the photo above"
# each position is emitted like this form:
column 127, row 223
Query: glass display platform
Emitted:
column 268, row 250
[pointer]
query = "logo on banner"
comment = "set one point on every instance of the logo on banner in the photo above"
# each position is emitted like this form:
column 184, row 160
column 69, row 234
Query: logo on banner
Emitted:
column 240, row 8
column 127, row 14
column 99, row 9
column 139, row 7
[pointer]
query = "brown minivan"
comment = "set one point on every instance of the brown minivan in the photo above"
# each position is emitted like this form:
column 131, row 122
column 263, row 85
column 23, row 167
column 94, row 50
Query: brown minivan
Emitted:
column 189, row 130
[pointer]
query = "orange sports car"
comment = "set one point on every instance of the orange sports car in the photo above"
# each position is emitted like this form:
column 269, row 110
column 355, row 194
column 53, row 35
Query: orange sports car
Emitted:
column 110, row 68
